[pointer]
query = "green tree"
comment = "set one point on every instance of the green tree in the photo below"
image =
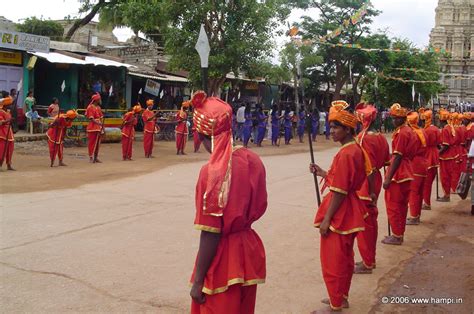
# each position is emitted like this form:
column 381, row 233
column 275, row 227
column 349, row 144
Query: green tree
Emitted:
column 333, row 14
column 239, row 31
column 32, row 25
column 390, row 91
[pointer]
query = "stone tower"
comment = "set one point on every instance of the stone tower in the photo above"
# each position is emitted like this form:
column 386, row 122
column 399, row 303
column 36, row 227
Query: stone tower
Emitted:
column 454, row 31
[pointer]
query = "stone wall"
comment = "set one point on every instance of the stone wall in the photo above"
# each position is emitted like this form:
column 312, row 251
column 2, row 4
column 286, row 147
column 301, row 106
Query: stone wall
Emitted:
column 147, row 55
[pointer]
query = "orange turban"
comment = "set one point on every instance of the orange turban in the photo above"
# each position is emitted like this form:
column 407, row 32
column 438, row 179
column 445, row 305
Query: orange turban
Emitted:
column 412, row 119
column 427, row 116
column 467, row 116
column 7, row 101
column 137, row 109
column 338, row 112
column 150, row 102
column 443, row 114
column 71, row 114
column 366, row 114
column 213, row 117
column 396, row 110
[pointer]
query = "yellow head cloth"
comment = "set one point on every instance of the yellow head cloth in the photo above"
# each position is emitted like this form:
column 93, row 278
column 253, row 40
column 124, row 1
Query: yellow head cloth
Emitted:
column 338, row 112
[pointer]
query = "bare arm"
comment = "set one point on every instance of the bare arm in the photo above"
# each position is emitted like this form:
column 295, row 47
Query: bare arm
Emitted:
column 207, row 250
column 371, row 181
column 334, row 206
column 443, row 148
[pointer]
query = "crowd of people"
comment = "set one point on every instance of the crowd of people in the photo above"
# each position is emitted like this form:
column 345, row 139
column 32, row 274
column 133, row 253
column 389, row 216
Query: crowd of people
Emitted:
column 231, row 189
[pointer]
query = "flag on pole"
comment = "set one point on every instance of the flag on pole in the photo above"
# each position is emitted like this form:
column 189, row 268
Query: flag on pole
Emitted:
column 419, row 99
column 111, row 90
column 376, row 82
column 19, row 85
column 413, row 92
column 140, row 91
column 63, row 86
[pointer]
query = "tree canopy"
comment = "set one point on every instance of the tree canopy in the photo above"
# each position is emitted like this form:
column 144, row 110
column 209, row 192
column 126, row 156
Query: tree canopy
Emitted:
column 33, row 25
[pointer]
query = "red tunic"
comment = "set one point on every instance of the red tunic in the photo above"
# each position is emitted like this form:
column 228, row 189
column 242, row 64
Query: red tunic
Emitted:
column 5, row 128
column 182, row 126
column 57, row 133
column 95, row 113
column 346, row 176
column 376, row 146
column 433, row 139
column 419, row 164
column 405, row 144
column 128, row 129
column 449, row 138
column 240, row 256
column 150, row 126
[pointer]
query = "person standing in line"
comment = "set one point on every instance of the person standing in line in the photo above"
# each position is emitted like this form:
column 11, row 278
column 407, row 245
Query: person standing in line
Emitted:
column 129, row 122
column 6, row 131
column 247, row 129
column 181, row 129
column 378, row 151
column 275, row 120
column 340, row 215
column 314, row 124
column 57, row 133
column 149, row 129
column 326, row 124
column 94, row 128
column 262, row 125
column 53, row 109
column 301, row 124
column 398, row 175
column 287, row 123
column 240, row 117
column 420, row 170
column 433, row 140
column 230, row 195
column 447, row 154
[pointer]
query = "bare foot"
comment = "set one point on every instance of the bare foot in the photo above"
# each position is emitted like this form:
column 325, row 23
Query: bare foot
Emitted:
column 61, row 164
column 443, row 199
column 9, row 167
column 413, row 221
column 361, row 269
column 97, row 161
column 391, row 240
column 426, row 207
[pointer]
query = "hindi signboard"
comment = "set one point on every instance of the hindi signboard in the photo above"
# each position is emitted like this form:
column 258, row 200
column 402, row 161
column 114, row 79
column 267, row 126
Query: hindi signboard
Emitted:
column 23, row 41
column 152, row 87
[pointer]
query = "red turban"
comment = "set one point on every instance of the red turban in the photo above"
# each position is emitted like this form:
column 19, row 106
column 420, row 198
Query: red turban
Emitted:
column 95, row 97
column 366, row 114
column 213, row 117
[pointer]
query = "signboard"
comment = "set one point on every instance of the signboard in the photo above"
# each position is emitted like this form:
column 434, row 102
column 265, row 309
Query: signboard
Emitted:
column 7, row 57
column 23, row 41
column 152, row 87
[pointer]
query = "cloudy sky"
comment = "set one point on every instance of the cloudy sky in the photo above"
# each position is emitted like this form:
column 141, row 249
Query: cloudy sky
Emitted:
column 412, row 19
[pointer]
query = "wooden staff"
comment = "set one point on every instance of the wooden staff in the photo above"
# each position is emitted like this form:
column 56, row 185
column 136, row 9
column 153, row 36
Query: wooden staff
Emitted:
column 437, row 184
column 311, row 152
column 57, row 139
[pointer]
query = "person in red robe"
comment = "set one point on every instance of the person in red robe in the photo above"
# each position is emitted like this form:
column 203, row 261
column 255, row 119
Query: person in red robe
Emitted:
column 150, row 128
column 6, row 132
column 433, row 140
column 340, row 215
column 230, row 195
column 94, row 128
column 377, row 148
column 181, row 129
column 56, row 134
column 461, row 161
column 399, row 174
column 128, row 131
column 420, row 170
column 447, row 154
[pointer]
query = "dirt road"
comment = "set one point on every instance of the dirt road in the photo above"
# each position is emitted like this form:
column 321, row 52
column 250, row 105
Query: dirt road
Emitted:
column 127, row 245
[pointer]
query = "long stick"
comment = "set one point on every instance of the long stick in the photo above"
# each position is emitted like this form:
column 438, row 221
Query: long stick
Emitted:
column 129, row 142
column 97, row 141
column 311, row 152
column 437, row 184
column 388, row 222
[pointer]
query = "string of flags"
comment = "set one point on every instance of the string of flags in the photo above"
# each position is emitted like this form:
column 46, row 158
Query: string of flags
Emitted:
column 403, row 80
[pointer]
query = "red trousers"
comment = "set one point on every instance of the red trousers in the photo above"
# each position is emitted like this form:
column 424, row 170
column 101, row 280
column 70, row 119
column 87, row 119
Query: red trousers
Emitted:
column 197, row 141
column 416, row 196
column 337, row 264
column 427, row 186
column 367, row 239
column 447, row 169
column 180, row 141
column 9, row 153
column 237, row 299
column 148, row 141
column 93, row 143
column 127, row 147
column 55, row 150
column 396, row 200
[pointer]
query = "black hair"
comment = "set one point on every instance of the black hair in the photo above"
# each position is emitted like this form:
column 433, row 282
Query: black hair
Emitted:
column 55, row 99
column 4, row 93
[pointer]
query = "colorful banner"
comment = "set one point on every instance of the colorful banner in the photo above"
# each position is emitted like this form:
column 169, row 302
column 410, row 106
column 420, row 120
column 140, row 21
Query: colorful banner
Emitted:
column 354, row 19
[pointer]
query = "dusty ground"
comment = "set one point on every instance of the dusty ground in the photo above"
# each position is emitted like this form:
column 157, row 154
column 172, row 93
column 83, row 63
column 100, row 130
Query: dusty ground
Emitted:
column 118, row 237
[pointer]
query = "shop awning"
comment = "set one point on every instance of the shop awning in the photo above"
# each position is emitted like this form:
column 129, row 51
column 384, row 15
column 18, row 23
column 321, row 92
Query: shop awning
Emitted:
column 160, row 77
column 55, row 57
